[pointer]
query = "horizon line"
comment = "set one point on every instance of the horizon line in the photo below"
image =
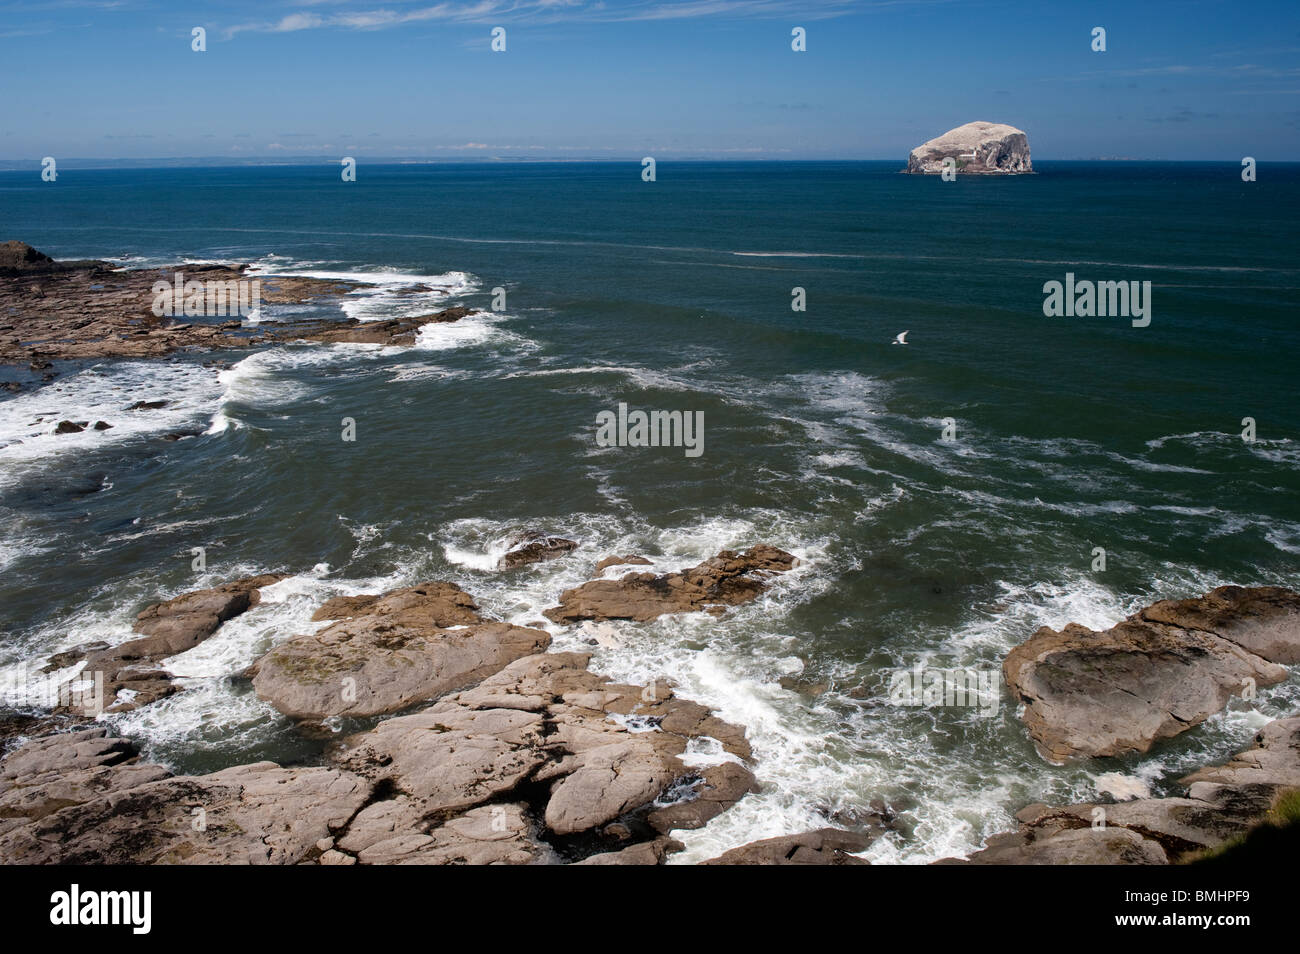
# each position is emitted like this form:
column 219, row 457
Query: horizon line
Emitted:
column 91, row 162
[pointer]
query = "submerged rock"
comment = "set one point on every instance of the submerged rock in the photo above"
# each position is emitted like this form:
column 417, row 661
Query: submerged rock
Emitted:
column 977, row 148
column 728, row 579
column 393, row 331
column 1158, row 673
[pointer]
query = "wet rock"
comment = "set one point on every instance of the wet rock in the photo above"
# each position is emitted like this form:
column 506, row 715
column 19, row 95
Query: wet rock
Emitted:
column 717, row 789
column 645, row 853
column 534, row 547
column 395, row 331
column 179, row 624
column 728, row 579
column 620, row 561
column 169, row 628
column 1222, row 803
column 69, row 427
column 1273, row 759
column 389, row 652
column 74, row 655
column 1158, row 673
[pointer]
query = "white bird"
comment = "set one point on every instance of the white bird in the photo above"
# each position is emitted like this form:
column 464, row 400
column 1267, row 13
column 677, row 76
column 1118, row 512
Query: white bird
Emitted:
column 902, row 337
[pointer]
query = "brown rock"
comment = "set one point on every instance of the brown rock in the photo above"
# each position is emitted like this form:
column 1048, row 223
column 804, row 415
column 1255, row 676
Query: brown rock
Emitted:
column 1078, row 846
column 250, row 814
column 620, row 560
column 1149, row 677
column 170, row 628
column 1264, row 620
column 1222, row 802
column 728, row 579
column 646, row 853
column 826, row 846
column 408, row 646
column 534, row 547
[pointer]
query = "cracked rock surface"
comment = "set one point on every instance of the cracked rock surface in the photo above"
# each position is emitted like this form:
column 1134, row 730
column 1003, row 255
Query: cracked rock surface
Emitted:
column 535, row 760
column 1158, row 673
column 386, row 653
column 727, row 579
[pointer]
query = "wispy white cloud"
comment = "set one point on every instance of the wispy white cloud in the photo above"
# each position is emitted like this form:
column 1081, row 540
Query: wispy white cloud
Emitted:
column 555, row 11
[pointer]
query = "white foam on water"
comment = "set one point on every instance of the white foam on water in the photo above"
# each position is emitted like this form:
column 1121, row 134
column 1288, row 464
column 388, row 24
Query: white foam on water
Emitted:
column 683, row 378
column 101, row 392
column 385, row 292
column 267, row 378
column 479, row 328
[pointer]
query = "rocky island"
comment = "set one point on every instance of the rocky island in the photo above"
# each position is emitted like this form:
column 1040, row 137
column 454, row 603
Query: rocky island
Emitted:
column 977, row 148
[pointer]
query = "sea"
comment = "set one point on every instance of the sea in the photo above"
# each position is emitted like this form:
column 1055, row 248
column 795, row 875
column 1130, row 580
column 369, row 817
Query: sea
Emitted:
column 1001, row 471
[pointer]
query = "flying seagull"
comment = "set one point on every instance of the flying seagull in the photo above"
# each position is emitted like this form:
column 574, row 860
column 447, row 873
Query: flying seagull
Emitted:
column 902, row 337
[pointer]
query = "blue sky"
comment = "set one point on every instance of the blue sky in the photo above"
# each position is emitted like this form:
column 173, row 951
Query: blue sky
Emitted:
column 1199, row 79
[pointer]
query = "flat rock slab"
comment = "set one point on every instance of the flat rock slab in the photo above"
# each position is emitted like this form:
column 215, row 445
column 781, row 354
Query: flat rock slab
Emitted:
column 489, row 835
column 727, row 579
column 182, row 623
column 1264, row 620
column 408, row 646
column 1080, row 846
column 826, row 846
column 589, row 750
column 1273, row 759
column 98, row 805
column 1160, row 672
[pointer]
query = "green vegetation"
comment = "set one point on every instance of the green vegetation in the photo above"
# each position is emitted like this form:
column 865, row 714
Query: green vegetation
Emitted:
column 1275, row 838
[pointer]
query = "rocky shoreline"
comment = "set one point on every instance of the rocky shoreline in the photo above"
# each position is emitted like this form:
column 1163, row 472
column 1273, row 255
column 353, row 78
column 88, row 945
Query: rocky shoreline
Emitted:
column 85, row 310
column 492, row 749
column 1158, row 673
column 497, row 751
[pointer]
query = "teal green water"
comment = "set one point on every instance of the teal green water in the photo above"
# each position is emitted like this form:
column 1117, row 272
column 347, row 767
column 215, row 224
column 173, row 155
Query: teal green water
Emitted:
column 821, row 436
